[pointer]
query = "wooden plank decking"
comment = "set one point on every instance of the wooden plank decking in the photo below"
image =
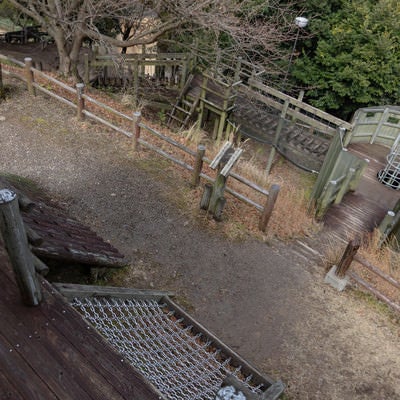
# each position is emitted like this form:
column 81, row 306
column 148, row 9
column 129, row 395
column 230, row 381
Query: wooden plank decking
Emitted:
column 49, row 352
column 361, row 211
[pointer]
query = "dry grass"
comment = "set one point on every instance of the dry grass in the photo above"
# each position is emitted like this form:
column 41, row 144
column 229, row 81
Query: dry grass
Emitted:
column 291, row 217
column 383, row 257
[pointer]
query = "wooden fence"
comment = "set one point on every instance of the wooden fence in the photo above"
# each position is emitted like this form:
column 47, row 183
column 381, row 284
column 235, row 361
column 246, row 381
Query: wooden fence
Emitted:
column 344, row 177
column 350, row 256
column 380, row 125
column 295, row 109
column 132, row 127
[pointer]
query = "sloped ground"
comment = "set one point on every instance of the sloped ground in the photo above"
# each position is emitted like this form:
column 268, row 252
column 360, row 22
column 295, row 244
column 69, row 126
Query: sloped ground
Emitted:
column 267, row 301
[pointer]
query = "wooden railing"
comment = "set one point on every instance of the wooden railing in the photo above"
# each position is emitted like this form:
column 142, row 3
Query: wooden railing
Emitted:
column 132, row 66
column 130, row 126
column 297, row 110
column 343, row 178
column 344, row 268
column 380, row 125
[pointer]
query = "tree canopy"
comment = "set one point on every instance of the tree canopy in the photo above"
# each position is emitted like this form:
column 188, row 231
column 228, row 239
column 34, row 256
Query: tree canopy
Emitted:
column 353, row 60
column 70, row 22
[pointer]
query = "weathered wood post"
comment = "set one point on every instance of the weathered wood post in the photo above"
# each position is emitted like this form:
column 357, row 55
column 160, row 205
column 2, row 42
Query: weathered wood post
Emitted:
column 29, row 76
column 185, row 69
column 269, row 207
column 347, row 258
column 135, row 81
column 86, row 78
column 16, row 243
column 1, row 80
column 213, row 199
column 198, row 165
column 385, row 227
column 136, row 118
column 80, row 101
column 279, row 129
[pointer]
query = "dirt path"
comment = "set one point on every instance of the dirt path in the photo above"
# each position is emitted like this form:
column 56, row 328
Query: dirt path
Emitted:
column 268, row 302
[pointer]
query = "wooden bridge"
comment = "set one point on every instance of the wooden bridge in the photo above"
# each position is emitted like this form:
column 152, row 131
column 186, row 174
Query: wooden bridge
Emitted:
column 363, row 210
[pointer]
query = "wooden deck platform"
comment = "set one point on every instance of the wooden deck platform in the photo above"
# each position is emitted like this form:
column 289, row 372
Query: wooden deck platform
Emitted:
column 49, row 352
column 362, row 210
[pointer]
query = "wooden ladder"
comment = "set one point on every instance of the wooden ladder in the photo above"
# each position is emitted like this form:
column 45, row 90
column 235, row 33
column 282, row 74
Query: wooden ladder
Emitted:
column 183, row 109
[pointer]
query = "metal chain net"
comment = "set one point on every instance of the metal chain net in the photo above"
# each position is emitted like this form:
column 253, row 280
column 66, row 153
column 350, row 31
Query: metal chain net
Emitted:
column 180, row 364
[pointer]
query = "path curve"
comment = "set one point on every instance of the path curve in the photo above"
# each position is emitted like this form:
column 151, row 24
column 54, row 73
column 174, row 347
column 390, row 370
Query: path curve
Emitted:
column 267, row 301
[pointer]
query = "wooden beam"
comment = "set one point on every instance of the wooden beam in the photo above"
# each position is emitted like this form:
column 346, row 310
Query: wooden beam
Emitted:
column 16, row 243
column 78, row 256
column 71, row 290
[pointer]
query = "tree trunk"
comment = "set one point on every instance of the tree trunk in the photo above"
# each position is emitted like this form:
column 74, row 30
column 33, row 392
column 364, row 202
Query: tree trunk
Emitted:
column 68, row 54
column 64, row 61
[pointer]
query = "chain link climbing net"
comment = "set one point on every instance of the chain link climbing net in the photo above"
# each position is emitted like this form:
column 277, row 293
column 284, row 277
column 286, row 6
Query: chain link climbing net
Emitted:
column 181, row 364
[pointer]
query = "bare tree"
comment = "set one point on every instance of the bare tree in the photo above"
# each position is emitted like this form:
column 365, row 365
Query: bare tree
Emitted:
column 70, row 22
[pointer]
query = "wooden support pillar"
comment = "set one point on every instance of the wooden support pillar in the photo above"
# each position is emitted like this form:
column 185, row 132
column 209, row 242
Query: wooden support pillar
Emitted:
column 221, row 125
column 80, row 101
column 185, row 68
column 137, row 116
column 135, row 82
column 213, row 199
column 385, row 227
column 238, row 69
column 29, row 76
column 269, row 207
column 347, row 258
column 217, row 199
column 201, row 149
column 1, row 80
column 16, row 243
column 277, row 135
column 87, row 69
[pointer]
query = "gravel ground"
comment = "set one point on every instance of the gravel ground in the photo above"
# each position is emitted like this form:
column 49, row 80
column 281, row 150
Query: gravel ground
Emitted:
column 267, row 301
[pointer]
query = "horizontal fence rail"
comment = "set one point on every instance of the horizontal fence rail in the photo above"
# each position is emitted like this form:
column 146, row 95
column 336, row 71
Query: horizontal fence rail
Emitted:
column 131, row 126
column 379, row 125
column 344, row 268
column 297, row 109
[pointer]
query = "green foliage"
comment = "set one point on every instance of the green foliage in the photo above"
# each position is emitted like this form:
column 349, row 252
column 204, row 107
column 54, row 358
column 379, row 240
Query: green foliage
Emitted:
column 11, row 18
column 355, row 61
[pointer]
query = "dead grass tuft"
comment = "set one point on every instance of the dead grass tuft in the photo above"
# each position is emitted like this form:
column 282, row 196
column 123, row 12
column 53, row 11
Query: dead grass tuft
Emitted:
column 292, row 217
column 384, row 257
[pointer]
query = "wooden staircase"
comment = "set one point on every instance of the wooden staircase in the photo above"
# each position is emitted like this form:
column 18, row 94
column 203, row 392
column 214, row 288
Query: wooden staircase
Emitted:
column 184, row 108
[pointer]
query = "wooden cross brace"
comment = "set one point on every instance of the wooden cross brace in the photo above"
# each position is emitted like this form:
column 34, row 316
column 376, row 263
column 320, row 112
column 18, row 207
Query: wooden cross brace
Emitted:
column 213, row 199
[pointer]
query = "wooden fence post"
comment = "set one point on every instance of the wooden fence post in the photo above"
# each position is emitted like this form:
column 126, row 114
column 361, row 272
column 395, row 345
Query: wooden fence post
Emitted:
column 80, row 101
column 269, row 207
column 29, row 76
column 344, row 186
column 16, row 243
column 347, row 258
column 278, row 131
column 386, row 226
column 198, row 165
column 137, row 116
column 1, row 80
column 86, row 78
column 135, row 82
